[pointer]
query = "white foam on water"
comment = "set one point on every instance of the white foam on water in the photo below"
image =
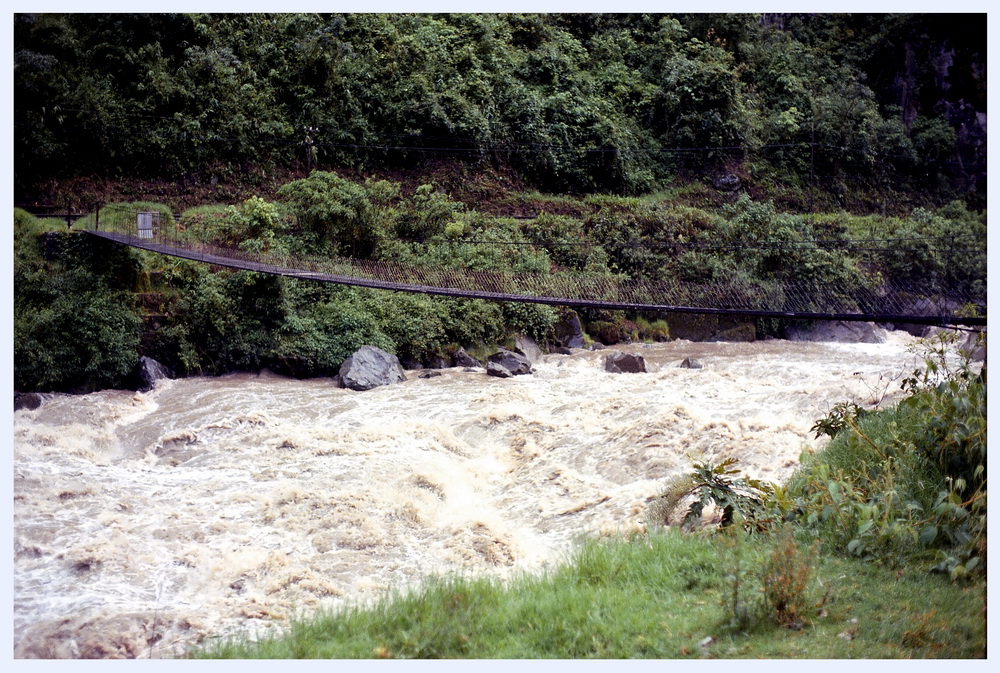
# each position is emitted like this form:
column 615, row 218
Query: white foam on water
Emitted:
column 145, row 522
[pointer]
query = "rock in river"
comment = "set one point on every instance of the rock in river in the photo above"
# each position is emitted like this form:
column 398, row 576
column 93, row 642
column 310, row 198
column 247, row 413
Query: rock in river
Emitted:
column 620, row 363
column 370, row 367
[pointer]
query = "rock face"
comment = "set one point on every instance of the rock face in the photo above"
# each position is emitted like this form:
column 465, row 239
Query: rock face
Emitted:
column 621, row 363
column 569, row 331
column 515, row 364
column 147, row 373
column 840, row 332
column 370, row 367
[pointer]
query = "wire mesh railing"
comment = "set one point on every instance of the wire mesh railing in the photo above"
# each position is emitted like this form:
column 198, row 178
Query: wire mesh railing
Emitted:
column 896, row 301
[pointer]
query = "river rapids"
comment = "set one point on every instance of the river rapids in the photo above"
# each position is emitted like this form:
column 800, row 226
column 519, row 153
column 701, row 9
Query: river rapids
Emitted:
column 147, row 522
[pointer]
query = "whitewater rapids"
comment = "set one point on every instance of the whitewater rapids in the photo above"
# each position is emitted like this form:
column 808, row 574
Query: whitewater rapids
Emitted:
column 144, row 523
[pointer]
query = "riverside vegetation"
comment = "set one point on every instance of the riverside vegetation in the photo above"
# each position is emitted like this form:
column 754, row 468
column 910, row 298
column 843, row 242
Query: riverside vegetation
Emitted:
column 207, row 321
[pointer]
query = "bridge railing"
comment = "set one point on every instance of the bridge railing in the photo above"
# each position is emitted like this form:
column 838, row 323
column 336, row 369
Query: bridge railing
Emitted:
column 797, row 298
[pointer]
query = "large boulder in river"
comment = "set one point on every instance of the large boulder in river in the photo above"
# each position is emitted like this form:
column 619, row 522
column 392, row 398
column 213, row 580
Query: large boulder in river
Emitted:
column 370, row 367
column 515, row 363
column 621, row 363
column 147, row 372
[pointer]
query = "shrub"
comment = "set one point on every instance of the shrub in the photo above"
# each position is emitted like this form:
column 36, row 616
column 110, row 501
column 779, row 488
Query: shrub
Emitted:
column 907, row 482
column 72, row 332
column 739, row 500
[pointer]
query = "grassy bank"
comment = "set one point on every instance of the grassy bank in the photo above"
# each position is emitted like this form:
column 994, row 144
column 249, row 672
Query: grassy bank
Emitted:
column 669, row 595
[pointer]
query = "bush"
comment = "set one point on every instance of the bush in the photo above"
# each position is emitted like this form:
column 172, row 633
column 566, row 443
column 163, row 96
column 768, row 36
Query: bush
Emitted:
column 71, row 332
column 336, row 215
column 907, row 482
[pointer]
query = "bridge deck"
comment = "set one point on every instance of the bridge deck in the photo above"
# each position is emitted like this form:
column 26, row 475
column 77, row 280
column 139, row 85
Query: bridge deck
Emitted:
column 537, row 288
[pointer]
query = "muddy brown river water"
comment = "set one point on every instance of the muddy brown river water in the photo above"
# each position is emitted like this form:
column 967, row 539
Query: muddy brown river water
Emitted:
column 213, row 506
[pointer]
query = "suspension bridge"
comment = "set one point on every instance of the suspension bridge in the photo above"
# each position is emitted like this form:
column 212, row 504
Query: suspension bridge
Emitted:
column 895, row 302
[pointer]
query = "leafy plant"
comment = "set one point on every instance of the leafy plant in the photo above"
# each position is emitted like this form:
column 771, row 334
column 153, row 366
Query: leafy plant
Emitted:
column 740, row 500
column 839, row 417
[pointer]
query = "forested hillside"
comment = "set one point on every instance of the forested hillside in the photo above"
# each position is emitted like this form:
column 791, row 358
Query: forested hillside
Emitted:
column 840, row 150
column 819, row 110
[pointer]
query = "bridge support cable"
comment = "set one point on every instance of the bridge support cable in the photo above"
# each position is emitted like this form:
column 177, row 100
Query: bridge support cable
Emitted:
column 764, row 299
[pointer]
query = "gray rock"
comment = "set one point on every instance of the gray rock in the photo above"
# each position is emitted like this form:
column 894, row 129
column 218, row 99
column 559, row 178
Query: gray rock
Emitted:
column 622, row 363
column 975, row 349
column 463, row 359
column 562, row 350
column 429, row 374
column 370, row 367
column 691, row 363
column 569, row 331
column 27, row 401
column 527, row 347
column 498, row 370
column 727, row 183
column 147, row 372
column 515, row 363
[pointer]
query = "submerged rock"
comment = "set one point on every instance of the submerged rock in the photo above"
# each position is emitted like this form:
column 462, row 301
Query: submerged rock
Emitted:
column 370, row 367
column 691, row 363
column 27, row 401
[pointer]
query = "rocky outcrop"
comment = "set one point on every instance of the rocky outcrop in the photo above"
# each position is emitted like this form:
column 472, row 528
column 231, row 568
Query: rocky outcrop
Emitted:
column 624, row 363
column 691, row 363
column 839, row 331
column 370, row 367
column 515, row 364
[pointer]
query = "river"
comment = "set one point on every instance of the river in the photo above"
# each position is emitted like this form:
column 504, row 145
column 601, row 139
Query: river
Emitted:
column 144, row 522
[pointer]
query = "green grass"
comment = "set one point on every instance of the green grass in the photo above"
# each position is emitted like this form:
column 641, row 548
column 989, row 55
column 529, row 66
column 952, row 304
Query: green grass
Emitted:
column 656, row 596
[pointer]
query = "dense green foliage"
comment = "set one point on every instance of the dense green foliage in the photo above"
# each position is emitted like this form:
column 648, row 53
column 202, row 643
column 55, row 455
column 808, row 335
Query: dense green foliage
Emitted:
column 217, row 321
column 905, row 483
column 824, row 104
column 75, row 322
